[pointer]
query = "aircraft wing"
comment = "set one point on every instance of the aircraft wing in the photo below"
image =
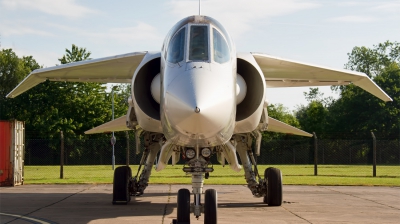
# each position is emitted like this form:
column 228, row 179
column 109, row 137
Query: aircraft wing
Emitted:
column 114, row 69
column 287, row 73
column 118, row 124
column 278, row 126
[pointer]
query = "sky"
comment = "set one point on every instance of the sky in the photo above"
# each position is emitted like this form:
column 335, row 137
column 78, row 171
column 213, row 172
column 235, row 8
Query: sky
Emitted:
column 320, row 32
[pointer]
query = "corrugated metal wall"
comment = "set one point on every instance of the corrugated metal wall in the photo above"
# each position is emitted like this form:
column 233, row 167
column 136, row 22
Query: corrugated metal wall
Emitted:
column 17, row 152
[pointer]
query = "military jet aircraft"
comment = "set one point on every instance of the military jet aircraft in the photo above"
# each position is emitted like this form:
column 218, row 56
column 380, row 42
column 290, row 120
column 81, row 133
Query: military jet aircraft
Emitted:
column 195, row 98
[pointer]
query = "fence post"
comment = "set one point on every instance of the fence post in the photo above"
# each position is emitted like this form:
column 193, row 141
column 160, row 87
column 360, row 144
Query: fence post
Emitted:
column 62, row 156
column 315, row 155
column 127, row 148
column 294, row 156
column 373, row 154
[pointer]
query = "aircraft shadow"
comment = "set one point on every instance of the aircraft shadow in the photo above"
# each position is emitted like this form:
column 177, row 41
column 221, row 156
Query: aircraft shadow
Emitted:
column 86, row 207
column 242, row 205
column 81, row 208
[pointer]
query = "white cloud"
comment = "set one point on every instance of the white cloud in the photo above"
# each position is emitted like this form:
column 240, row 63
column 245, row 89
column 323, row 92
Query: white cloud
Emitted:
column 353, row 19
column 141, row 31
column 19, row 28
column 43, row 57
column 66, row 8
column 376, row 6
column 388, row 7
column 238, row 15
column 351, row 3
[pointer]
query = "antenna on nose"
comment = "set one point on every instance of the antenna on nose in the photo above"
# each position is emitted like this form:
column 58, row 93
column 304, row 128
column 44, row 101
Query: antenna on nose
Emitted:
column 199, row 7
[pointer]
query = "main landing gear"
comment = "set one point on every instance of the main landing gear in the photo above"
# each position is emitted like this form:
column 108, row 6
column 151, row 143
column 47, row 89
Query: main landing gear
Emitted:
column 122, row 176
column 198, row 166
column 269, row 187
column 273, row 177
column 124, row 185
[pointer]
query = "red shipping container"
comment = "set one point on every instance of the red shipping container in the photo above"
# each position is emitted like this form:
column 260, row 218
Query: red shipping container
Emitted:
column 11, row 152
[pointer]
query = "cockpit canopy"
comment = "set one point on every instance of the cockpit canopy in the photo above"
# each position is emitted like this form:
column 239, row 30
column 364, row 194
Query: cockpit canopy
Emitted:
column 198, row 43
column 194, row 38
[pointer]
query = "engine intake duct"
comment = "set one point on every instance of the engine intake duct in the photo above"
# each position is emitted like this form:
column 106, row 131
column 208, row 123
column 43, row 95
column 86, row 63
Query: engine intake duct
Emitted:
column 142, row 88
column 255, row 89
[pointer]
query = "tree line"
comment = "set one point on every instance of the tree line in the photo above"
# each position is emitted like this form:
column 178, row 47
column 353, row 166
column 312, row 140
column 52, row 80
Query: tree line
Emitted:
column 51, row 107
column 73, row 108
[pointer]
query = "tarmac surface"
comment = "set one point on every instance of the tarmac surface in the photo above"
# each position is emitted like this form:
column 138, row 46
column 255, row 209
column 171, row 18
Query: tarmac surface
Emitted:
column 302, row 204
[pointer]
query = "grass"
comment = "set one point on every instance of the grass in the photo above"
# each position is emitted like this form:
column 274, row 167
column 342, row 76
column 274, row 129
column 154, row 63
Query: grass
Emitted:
column 358, row 175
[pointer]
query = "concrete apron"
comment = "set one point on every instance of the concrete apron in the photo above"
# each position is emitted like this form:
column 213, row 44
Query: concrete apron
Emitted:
column 302, row 204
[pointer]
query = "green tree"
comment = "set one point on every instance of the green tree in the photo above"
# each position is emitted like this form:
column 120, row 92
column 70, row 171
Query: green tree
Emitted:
column 75, row 54
column 51, row 107
column 313, row 117
column 12, row 71
column 374, row 61
column 281, row 113
column 358, row 111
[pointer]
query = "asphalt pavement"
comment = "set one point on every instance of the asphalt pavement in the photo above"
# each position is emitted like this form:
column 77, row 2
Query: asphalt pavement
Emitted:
column 302, row 204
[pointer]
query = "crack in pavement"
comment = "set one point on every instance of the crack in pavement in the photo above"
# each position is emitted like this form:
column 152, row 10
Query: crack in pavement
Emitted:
column 46, row 206
column 166, row 205
column 296, row 214
column 361, row 198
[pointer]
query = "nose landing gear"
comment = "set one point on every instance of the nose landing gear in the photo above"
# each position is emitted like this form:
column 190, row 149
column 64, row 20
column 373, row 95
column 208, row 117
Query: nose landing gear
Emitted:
column 183, row 206
column 209, row 208
column 198, row 168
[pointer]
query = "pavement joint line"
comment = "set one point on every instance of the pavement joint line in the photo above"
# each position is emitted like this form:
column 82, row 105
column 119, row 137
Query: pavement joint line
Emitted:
column 295, row 214
column 25, row 218
column 361, row 198
column 166, row 205
column 29, row 213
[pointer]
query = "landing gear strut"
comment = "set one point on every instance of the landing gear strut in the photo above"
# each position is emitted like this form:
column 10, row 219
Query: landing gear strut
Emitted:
column 199, row 168
column 124, row 186
column 269, row 187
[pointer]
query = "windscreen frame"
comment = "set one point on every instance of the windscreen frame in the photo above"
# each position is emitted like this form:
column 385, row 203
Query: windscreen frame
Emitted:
column 225, row 41
column 207, row 39
column 184, row 45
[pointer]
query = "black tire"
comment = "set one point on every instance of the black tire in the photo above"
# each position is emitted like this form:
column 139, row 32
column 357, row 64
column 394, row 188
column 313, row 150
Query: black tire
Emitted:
column 121, row 193
column 183, row 206
column 210, row 207
column 273, row 178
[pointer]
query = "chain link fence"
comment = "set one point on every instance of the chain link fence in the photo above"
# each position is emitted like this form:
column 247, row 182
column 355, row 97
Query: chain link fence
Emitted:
column 92, row 158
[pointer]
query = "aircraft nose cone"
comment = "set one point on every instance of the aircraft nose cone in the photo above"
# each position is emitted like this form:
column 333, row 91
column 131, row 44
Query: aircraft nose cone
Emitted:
column 195, row 104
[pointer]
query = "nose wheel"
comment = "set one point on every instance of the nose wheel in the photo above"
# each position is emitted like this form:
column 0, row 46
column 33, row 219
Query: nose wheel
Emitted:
column 183, row 206
column 210, row 206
